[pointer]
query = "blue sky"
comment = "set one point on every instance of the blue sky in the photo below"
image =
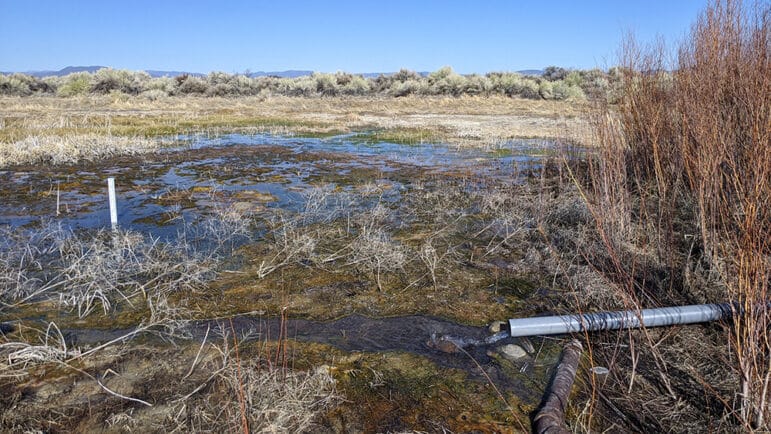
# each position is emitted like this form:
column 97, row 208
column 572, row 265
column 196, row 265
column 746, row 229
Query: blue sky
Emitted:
column 354, row 36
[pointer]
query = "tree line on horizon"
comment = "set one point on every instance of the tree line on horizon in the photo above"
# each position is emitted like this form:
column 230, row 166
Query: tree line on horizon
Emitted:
column 554, row 84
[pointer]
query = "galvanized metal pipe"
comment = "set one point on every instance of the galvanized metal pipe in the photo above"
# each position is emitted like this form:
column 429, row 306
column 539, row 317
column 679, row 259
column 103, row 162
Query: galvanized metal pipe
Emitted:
column 664, row 316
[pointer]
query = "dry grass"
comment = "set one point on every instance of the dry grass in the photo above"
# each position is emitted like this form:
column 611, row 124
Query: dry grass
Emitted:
column 276, row 401
column 72, row 149
column 68, row 130
column 99, row 270
column 193, row 387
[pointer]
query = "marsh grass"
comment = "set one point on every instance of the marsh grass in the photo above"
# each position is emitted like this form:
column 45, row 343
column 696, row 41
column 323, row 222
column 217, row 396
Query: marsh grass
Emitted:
column 462, row 243
column 100, row 273
column 70, row 130
column 102, row 269
column 447, row 234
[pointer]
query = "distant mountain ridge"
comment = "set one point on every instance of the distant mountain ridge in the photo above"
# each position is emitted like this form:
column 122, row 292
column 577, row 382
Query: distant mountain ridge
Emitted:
column 291, row 73
column 283, row 74
column 537, row 72
column 61, row 72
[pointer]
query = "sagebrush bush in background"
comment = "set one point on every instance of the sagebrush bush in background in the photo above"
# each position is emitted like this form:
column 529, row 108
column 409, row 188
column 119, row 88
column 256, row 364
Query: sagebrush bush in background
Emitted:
column 22, row 85
column 79, row 83
column 562, row 84
column 108, row 80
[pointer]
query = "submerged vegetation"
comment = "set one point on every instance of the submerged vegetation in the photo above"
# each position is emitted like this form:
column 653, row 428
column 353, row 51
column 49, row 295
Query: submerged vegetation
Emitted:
column 376, row 238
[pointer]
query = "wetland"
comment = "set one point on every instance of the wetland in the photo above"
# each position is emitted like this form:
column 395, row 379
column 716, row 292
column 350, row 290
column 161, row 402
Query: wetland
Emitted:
column 361, row 272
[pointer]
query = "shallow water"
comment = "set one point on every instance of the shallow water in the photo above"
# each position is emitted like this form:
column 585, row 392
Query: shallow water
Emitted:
column 357, row 333
column 159, row 193
column 266, row 176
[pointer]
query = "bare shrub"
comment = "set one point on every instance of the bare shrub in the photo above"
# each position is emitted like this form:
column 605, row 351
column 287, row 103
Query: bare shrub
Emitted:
column 376, row 252
column 289, row 243
column 434, row 257
column 297, row 238
column 322, row 204
column 682, row 181
column 219, row 232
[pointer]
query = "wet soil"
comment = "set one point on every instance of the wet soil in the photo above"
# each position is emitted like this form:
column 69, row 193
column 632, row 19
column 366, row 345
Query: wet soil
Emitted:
column 354, row 334
column 158, row 192
column 343, row 316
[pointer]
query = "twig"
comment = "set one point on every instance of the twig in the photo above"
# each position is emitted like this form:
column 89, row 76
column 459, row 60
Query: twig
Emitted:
column 128, row 398
column 241, row 397
column 195, row 362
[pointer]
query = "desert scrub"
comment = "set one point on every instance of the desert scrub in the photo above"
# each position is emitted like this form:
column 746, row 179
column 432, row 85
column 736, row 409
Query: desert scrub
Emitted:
column 79, row 83
column 23, row 85
column 443, row 81
column 107, row 80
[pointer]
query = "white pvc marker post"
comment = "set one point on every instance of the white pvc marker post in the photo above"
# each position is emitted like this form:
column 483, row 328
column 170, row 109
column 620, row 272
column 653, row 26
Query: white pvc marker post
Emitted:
column 113, row 204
